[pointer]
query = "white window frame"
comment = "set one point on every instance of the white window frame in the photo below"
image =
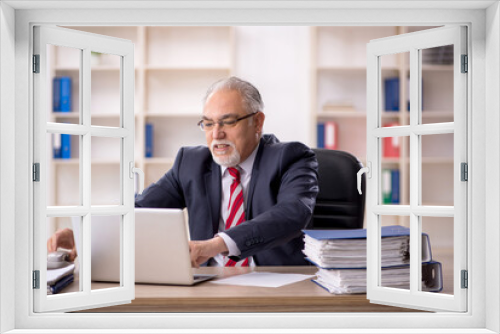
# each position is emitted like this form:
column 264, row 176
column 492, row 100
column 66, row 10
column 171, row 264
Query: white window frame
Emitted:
column 484, row 104
column 413, row 43
column 85, row 42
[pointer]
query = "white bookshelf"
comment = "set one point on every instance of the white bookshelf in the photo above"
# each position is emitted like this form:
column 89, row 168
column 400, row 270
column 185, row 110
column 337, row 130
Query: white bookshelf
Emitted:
column 339, row 75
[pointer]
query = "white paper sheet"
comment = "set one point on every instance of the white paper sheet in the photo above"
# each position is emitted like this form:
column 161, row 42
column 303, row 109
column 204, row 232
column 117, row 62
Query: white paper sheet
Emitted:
column 263, row 279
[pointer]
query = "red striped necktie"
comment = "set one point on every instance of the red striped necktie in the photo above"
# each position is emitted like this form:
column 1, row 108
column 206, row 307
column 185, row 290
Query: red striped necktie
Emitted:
column 236, row 212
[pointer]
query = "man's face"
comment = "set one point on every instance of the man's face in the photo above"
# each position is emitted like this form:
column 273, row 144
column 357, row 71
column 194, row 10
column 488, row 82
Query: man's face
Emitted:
column 231, row 145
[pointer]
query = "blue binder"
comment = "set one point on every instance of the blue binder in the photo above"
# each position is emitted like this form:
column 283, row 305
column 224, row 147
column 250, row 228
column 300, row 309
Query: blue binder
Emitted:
column 149, row 140
column 395, row 186
column 65, row 146
column 56, row 94
column 391, row 86
column 65, row 94
column 321, row 135
column 386, row 231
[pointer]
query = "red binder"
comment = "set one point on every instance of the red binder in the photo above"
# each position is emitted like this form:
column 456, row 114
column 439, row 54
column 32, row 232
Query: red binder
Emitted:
column 391, row 145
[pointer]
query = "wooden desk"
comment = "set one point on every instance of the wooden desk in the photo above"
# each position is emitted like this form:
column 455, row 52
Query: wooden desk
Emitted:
column 304, row 296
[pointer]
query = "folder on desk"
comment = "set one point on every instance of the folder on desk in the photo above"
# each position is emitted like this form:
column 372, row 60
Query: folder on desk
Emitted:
column 340, row 256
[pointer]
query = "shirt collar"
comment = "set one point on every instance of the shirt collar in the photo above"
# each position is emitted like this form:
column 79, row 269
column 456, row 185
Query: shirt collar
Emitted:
column 247, row 165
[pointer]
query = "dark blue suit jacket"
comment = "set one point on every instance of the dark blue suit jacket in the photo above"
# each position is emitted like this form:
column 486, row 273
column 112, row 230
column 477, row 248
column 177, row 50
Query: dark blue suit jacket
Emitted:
column 281, row 197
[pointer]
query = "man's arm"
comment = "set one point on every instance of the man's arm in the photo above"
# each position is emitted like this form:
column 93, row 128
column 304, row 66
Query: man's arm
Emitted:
column 63, row 239
column 295, row 200
column 166, row 192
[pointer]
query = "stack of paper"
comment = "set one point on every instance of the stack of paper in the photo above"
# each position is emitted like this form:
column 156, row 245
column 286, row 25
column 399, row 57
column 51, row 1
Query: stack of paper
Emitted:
column 346, row 249
column 346, row 281
column 351, row 253
column 340, row 256
column 58, row 279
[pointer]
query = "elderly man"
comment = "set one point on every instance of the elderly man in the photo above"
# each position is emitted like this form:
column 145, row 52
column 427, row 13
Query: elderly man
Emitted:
column 248, row 195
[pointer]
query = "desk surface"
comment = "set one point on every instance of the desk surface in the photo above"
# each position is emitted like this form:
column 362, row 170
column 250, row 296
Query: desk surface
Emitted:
column 304, row 296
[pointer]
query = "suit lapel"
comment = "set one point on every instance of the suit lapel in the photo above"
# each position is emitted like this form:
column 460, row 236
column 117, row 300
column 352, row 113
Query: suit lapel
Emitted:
column 213, row 187
column 253, row 180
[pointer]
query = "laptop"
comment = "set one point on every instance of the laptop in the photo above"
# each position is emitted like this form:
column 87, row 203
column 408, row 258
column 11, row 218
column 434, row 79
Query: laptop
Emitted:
column 161, row 248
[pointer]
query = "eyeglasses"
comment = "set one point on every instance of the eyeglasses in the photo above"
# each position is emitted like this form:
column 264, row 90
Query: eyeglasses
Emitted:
column 208, row 125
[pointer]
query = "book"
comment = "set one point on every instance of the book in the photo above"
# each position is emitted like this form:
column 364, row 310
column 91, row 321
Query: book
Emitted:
column 149, row 140
column 395, row 186
column 321, row 135
column 56, row 94
column 390, row 144
column 391, row 94
column 331, row 135
column 56, row 145
column 59, row 285
column 65, row 94
column 65, row 146
column 58, row 279
column 386, row 186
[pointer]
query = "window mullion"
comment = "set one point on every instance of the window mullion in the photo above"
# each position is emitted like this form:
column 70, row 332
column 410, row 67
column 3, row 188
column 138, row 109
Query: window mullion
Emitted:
column 415, row 170
column 85, row 169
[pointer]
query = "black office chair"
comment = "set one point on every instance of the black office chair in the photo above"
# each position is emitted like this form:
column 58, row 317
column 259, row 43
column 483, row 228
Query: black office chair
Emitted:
column 338, row 205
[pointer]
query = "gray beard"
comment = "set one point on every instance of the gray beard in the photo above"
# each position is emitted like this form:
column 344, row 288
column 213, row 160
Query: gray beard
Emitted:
column 229, row 161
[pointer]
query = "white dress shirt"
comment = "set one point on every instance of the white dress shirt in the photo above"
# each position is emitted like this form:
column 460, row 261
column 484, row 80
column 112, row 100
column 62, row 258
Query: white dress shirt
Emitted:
column 245, row 169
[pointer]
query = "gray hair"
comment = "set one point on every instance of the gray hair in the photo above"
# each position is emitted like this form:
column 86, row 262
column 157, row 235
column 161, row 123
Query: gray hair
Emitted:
column 250, row 95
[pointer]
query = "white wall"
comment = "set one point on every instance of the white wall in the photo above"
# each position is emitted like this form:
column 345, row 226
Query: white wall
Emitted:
column 7, row 159
column 276, row 60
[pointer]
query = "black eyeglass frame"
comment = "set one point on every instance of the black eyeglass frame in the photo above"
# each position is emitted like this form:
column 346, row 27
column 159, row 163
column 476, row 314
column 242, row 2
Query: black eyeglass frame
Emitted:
column 223, row 123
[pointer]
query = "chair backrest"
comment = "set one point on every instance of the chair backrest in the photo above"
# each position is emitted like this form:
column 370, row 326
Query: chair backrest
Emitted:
column 338, row 205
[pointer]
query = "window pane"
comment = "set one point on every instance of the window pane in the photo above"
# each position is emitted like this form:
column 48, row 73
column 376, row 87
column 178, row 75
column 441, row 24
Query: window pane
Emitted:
column 63, row 274
column 440, row 232
column 63, row 169
column 63, row 65
column 437, row 84
column 394, row 184
column 106, row 184
column 394, row 256
column 105, row 250
column 437, row 169
column 105, row 89
column 392, row 88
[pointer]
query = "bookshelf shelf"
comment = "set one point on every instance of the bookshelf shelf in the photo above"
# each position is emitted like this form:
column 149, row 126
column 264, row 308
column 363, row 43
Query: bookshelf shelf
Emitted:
column 185, row 68
column 74, row 161
column 64, row 162
column 189, row 114
column 437, row 68
column 158, row 161
column 341, row 114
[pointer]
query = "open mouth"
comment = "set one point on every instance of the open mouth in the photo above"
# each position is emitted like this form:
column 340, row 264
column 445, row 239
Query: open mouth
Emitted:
column 221, row 148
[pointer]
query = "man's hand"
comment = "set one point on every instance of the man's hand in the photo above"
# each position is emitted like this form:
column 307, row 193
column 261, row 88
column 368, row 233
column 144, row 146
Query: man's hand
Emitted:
column 62, row 239
column 202, row 251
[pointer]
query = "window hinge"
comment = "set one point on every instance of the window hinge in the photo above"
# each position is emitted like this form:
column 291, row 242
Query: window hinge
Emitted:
column 465, row 64
column 36, row 63
column 36, row 279
column 464, row 171
column 465, row 279
column 36, row 172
